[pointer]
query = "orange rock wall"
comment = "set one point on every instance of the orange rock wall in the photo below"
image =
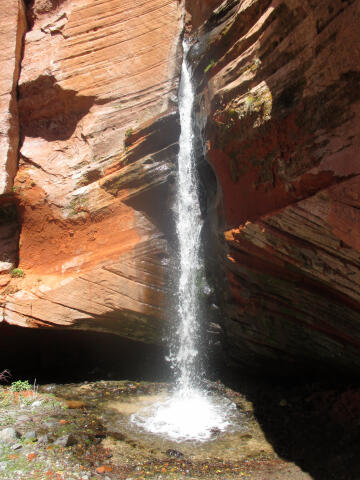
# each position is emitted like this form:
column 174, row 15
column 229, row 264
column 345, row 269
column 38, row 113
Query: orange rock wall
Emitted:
column 98, row 82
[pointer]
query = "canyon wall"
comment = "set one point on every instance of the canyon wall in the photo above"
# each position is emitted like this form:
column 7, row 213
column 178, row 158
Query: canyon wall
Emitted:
column 82, row 215
column 278, row 82
column 89, row 137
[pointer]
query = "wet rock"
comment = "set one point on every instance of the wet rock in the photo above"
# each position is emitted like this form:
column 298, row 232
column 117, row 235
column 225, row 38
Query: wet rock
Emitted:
column 43, row 439
column 31, row 435
column 174, row 453
column 74, row 404
column 49, row 388
column 66, row 441
column 16, row 446
column 9, row 435
column 50, row 424
column 116, row 435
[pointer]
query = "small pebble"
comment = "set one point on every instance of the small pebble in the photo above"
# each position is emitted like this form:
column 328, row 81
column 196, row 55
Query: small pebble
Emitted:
column 16, row 446
column 65, row 441
column 44, row 439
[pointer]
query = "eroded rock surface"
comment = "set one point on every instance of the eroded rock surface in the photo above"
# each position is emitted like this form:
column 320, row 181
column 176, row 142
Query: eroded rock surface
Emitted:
column 279, row 87
column 96, row 115
column 12, row 30
column 97, row 112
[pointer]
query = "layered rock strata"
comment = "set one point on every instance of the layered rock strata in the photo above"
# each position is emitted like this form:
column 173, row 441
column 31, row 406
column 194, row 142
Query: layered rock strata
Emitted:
column 99, row 131
column 12, row 30
column 279, row 85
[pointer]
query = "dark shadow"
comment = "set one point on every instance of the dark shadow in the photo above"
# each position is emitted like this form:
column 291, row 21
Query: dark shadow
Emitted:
column 148, row 175
column 313, row 423
column 64, row 356
column 48, row 111
column 9, row 234
column 153, row 181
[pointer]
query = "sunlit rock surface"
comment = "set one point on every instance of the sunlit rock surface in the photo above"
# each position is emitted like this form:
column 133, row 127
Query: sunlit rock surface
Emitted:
column 12, row 30
column 97, row 108
column 279, row 89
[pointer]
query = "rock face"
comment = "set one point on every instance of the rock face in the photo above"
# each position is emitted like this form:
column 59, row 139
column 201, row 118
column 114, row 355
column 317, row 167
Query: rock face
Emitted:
column 199, row 11
column 279, row 86
column 88, row 142
column 99, row 131
column 12, row 30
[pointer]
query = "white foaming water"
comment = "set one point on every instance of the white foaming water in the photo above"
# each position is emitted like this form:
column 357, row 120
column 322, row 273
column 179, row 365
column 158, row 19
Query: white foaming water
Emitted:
column 189, row 413
column 192, row 416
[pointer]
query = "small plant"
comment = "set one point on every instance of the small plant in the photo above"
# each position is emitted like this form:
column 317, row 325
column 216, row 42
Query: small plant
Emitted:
column 233, row 114
column 128, row 133
column 20, row 386
column 226, row 30
column 210, row 66
column 17, row 272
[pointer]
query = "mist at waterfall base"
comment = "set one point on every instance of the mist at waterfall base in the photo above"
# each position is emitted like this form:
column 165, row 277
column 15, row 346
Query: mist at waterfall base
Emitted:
column 190, row 413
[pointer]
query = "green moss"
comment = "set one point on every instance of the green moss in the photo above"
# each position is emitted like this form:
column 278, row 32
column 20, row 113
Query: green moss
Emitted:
column 210, row 66
column 76, row 204
column 128, row 133
column 90, row 177
column 17, row 272
column 249, row 101
column 113, row 186
column 226, row 30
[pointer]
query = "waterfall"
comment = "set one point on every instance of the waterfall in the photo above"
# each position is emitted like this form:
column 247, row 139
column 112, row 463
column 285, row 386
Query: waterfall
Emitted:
column 188, row 226
column 190, row 412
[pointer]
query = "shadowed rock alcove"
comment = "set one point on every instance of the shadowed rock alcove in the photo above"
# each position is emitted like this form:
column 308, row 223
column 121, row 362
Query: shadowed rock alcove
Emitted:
column 70, row 356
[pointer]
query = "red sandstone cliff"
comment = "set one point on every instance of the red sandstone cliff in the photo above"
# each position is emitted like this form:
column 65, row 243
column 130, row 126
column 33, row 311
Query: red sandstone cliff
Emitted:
column 98, row 124
column 85, row 199
column 279, row 85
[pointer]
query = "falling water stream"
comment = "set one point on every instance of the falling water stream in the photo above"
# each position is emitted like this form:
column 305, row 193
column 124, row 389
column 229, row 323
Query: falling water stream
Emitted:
column 190, row 412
